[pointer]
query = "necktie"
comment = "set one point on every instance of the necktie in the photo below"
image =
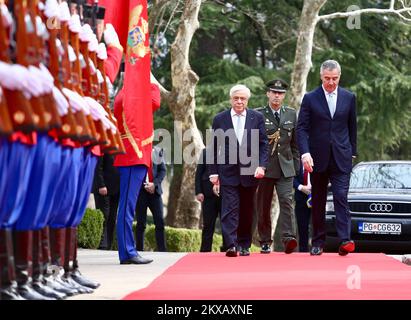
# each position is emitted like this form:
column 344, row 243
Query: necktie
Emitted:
column 331, row 103
column 239, row 128
column 277, row 116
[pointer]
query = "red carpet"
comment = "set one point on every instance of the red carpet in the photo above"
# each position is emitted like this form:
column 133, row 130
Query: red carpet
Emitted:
column 277, row 276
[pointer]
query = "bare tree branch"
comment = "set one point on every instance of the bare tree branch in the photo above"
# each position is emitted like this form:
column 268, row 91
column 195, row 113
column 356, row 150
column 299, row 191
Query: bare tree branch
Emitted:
column 406, row 9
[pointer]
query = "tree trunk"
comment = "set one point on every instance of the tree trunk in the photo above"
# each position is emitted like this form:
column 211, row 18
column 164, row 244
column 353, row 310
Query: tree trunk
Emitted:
column 181, row 100
column 302, row 61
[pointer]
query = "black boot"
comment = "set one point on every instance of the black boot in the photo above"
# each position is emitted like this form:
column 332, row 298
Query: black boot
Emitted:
column 71, row 239
column 8, row 284
column 23, row 248
column 75, row 272
column 56, row 253
column 38, row 269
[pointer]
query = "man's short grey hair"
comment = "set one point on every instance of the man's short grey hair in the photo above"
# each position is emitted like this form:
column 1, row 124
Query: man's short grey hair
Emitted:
column 330, row 65
column 240, row 87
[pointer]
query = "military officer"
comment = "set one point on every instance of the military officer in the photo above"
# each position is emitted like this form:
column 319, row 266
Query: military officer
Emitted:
column 283, row 165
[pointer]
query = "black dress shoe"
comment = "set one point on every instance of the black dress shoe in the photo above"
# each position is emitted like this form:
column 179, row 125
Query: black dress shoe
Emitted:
column 231, row 252
column 316, row 251
column 346, row 247
column 265, row 248
column 244, row 252
column 290, row 244
column 136, row 260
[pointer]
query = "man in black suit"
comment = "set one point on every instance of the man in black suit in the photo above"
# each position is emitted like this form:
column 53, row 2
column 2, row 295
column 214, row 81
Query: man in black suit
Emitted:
column 210, row 202
column 106, row 196
column 327, row 139
column 150, row 197
column 239, row 157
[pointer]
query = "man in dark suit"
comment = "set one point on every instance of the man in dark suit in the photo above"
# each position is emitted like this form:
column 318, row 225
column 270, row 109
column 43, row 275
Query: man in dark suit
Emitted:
column 327, row 139
column 302, row 197
column 106, row 196
column 210, row 202
column 280, row 122
column 150, row 197
column 240, row 156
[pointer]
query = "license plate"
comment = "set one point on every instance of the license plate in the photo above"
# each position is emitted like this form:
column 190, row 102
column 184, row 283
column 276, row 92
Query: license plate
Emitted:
column 379, row 228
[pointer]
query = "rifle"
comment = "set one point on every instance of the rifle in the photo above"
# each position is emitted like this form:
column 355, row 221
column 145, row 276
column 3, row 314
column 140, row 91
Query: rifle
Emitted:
column 90, row 87
column 71, row 80
column 68, row 128
column 18, row 106
column 93, row 13
column 26, row 51
column 95, row 93
column 51, row 114
column 103, row 98
column 78, row 77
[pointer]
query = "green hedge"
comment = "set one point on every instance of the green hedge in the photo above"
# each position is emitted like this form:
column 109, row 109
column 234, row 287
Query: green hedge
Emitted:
column 183, row 240
column 90, row 229
column 177, row 239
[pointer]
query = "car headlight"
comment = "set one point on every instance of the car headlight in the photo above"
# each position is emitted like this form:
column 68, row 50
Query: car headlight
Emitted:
column 329, row 206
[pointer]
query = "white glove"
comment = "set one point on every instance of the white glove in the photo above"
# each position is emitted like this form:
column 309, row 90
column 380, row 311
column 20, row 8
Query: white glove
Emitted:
column 100, row 77
column 35, row 82
column 65, row 14
column 74, row 22
column 47, row 78
column 76, row 101
column 7, row 18
column 52, row 9
column 71, row 54
column 102, row 51
column 93, row 44
column 11, row 79
column 61, row 102
column 110, row 35
column 86, row 33
column 96, row 109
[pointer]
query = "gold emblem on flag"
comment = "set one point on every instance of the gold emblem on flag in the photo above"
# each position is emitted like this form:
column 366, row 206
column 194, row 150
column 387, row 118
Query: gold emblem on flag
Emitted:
column 137, row 36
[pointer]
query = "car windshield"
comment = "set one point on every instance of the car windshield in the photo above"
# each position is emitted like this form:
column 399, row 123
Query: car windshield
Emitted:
column 381, row 176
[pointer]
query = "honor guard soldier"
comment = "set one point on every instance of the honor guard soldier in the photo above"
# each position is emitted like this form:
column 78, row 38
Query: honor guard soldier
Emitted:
column 283, row 165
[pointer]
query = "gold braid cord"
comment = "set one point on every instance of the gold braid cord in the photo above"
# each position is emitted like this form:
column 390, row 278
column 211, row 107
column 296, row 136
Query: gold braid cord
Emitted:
column 274, row 138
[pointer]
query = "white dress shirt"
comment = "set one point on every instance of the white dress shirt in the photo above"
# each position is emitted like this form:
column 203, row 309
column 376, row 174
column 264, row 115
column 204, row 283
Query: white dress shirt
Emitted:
column 331, row 100
column 238, row 123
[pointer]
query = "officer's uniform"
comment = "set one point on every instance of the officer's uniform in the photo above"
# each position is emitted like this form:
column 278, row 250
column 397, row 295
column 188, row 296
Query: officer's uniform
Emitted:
column 283, row 165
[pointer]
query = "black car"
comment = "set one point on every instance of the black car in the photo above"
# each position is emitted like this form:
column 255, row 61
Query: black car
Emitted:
column 380, row 205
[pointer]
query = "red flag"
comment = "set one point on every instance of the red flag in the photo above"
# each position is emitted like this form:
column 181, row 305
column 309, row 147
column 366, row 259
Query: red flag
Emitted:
column 136, row 114
column 116, row 13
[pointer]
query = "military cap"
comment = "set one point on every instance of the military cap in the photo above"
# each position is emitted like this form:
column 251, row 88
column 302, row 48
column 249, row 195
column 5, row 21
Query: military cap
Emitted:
column 277, row 85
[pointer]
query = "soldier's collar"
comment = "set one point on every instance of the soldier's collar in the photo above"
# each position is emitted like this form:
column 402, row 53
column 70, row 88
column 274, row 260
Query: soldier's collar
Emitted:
column 282, row 109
